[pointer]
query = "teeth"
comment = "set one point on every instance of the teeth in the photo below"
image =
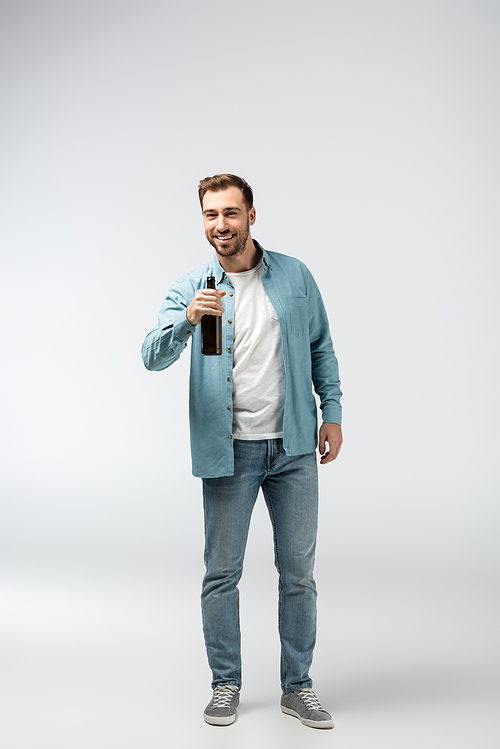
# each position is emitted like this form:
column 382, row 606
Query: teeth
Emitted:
column 226, row 237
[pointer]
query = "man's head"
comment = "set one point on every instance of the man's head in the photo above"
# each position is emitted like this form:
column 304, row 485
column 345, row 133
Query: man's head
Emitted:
column 228, row 213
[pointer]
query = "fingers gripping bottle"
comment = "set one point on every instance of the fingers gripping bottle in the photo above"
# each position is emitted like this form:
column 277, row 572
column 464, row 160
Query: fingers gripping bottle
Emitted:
column 211, row 329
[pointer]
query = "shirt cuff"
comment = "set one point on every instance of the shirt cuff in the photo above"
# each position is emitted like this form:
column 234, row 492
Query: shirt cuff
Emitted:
column 184, row 329
column 332, row 415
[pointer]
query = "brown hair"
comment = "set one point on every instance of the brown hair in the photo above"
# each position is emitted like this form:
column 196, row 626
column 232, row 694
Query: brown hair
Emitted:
column 220, row 182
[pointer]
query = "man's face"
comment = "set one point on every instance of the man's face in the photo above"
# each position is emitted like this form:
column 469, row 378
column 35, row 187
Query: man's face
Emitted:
column 227, row 221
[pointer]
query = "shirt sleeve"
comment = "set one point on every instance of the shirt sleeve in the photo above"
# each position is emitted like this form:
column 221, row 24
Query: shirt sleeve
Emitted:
column 325, row 368
column 165, row 343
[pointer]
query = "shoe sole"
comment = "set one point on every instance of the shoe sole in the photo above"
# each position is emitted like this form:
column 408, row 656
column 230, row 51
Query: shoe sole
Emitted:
column 217, row 720
column 306, row 721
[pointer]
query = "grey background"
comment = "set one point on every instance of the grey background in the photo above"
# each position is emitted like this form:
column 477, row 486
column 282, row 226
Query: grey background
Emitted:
column 369, row 132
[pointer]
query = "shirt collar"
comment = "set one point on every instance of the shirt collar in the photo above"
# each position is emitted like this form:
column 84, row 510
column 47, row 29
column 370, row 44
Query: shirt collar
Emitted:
column 218, row 269
column 265, row 255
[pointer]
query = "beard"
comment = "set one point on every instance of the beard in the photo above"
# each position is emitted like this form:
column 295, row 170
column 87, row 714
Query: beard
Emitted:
column 238, row 245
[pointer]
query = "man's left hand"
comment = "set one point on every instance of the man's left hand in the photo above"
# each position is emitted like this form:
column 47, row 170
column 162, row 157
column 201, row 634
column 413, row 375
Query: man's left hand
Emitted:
column 331, row 433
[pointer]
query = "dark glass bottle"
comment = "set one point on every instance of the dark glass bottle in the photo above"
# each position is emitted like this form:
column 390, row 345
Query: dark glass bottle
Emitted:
column 211, row 329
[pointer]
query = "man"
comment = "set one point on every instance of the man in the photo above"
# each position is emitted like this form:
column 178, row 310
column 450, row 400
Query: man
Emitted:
column 253, row 423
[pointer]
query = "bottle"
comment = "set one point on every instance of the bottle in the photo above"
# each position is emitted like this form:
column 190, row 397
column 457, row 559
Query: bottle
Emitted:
column 211, row 329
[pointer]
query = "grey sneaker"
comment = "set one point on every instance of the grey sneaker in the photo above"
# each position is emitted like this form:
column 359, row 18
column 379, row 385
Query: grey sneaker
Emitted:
column 221, row 710
column 305, row 706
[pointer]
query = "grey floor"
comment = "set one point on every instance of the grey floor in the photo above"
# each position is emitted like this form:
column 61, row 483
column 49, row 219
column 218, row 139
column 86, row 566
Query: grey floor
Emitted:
column 108, row 656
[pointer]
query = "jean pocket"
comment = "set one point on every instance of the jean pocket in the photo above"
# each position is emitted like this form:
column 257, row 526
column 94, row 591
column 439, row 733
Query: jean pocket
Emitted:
column 298, row 317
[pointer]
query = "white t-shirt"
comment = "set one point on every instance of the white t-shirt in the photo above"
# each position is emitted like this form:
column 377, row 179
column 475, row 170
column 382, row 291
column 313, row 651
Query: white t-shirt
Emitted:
column 258, row 367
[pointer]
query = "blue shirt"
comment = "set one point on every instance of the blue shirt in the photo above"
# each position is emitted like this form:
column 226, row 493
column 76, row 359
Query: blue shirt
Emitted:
column 307, row 352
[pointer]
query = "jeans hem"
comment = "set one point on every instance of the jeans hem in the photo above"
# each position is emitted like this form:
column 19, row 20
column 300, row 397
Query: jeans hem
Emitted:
column 223, row 683
column 296, row 687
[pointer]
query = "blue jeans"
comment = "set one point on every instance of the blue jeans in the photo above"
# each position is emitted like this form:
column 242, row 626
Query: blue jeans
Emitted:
column 290, row 488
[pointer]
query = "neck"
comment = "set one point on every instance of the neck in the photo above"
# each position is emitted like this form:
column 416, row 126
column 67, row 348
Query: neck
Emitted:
column 247, row 260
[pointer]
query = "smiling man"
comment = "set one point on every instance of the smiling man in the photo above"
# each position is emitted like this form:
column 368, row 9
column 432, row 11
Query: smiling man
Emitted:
column 253, row 425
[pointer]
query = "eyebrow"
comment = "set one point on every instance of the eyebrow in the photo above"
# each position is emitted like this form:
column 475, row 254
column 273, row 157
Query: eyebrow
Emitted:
column 228, row 208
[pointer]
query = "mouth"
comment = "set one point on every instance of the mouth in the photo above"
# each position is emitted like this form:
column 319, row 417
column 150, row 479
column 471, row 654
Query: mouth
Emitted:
column 224, row 238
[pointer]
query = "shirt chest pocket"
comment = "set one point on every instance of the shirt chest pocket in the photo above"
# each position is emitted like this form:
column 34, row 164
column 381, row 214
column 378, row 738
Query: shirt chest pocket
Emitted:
column 298, row 318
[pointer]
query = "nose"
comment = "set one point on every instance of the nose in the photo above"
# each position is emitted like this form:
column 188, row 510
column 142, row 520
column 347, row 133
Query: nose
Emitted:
column 221, row 223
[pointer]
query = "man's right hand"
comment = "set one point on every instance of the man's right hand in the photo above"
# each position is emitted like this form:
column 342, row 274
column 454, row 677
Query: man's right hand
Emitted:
column 205, row 302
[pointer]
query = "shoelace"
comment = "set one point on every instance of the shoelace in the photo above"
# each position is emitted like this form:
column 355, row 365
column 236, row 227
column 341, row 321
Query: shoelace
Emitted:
column 222, row 696
column 310, row 699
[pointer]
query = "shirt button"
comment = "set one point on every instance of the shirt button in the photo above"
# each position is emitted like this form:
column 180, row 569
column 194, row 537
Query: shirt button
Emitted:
column 230, row 293
column 230, row 436
column 229, row 408
column 230, row 321
column 189, row 332
column 228, row 350
column 171, row 349
column 229, row 379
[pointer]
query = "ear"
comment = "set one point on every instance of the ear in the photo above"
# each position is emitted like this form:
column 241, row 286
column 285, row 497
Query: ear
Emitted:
column 252, row 215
